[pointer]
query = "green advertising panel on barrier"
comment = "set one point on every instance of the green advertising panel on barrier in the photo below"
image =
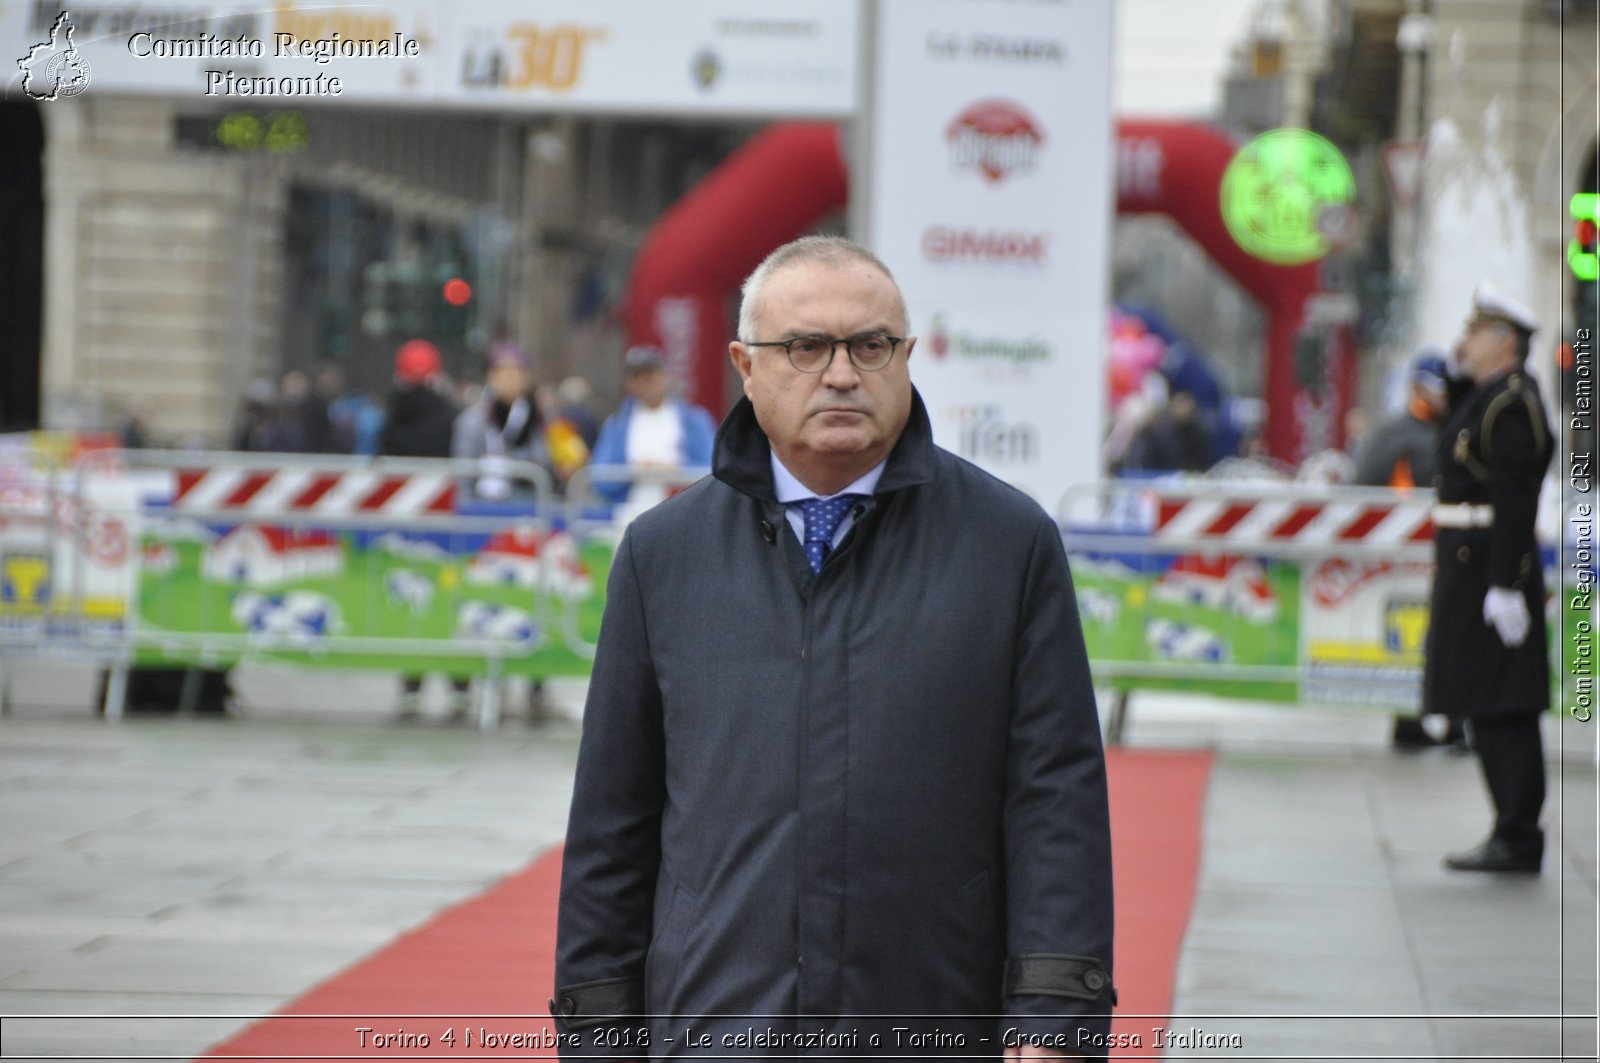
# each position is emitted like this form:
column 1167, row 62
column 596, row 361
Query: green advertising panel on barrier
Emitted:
column 1331, row 631
column 432, row 602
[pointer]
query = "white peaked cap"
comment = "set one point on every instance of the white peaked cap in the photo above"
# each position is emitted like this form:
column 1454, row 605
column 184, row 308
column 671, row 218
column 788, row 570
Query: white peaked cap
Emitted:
column 1489, row 301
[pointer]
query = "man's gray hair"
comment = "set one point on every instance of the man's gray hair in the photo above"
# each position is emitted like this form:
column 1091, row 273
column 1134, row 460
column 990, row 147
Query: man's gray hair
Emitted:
column 825, row 250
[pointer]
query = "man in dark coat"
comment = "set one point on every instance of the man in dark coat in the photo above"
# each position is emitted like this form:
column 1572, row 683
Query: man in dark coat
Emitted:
column 1487, row 656
column 841, row 760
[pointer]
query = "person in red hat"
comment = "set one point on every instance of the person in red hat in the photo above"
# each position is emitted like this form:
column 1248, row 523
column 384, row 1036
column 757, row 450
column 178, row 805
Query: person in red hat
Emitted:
column 417, row 424
column 418, row 418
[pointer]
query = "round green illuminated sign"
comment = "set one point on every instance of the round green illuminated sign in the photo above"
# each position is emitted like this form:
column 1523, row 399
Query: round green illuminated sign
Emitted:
column 1285, row 193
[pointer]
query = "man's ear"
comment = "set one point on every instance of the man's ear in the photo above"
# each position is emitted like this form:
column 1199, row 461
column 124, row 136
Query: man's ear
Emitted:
column 740, row 354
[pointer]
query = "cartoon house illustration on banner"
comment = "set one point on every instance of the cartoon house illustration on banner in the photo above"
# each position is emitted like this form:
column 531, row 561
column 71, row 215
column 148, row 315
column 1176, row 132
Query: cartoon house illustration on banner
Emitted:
column 521, row 557
column 261, row 556
column 1232, row 584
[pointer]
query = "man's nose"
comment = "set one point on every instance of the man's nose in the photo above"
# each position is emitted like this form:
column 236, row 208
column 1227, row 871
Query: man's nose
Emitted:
column 841, row 373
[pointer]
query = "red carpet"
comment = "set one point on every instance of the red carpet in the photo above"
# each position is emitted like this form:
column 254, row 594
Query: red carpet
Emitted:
column 474, row 980
column 1157, row 816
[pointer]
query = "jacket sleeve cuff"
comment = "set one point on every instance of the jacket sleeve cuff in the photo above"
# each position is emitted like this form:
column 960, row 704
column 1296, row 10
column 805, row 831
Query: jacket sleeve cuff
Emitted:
column 1051, row 974
column 589, row 1004
column 1060, row 1002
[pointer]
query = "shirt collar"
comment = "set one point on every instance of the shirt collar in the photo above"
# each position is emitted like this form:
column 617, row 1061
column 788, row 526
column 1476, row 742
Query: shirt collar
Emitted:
column 790, row 489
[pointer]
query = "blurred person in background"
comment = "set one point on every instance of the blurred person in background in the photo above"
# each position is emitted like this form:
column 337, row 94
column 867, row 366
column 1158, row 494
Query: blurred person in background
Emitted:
column 418, row 419
column 304, row 416
column 1401, row 452
column 568, row 451
column 255, row 428
column 1487, row 652
column 353, row 418
column 576, row 398
column 651, row 427
column 134, row 431
column 1176, row 437
column 1192, row 431
column 503, row 426
column 417, row 424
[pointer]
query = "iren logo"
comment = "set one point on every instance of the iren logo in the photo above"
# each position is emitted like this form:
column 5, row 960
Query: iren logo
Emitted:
column 984, row 435
column 55, row 68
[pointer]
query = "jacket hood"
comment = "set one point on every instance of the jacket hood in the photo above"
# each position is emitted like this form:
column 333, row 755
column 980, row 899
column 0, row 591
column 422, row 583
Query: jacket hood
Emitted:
column 742, row 456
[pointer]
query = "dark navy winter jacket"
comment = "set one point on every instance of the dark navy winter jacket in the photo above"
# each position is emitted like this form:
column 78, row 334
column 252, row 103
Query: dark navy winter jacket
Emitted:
column 804, row 801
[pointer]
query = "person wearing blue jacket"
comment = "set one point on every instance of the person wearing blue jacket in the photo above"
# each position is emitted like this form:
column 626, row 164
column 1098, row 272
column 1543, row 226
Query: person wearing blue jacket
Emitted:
column 651, row 427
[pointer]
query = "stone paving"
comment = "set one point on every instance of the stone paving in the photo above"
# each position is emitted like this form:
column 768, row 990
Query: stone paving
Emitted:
column 216, row 869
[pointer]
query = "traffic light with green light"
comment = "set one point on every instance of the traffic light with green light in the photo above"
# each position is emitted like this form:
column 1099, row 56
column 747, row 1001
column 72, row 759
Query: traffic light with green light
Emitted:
column 1581, row 251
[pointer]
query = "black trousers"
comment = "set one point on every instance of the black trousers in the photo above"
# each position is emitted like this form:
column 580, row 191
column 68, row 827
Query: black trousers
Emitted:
column 1511, row 753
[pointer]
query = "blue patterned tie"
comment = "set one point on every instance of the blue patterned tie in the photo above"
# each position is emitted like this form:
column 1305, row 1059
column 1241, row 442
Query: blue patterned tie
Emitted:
column 822, row 517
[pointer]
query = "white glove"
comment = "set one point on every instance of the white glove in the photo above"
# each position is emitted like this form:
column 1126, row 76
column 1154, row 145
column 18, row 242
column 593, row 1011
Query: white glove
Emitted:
column 1507, row 612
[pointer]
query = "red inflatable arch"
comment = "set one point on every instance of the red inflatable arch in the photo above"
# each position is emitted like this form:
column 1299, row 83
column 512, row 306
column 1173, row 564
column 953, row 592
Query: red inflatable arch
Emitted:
column 783, row 181
column 776, row 187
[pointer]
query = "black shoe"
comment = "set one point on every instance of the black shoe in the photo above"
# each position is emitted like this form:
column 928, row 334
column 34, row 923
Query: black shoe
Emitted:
column 1409, row 734
column 1497, row 854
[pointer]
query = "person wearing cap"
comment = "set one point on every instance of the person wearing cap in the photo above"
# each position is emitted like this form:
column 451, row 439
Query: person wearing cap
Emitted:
column 841, row 767
column 1399, row 451
column 417, row 423
column 503, row 426
column 417, row 417
column 1486, row 654
column 651, row 427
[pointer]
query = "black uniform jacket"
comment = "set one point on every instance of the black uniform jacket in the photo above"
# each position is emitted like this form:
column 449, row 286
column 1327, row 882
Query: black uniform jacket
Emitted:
column 1494, row 447
column 802, row 801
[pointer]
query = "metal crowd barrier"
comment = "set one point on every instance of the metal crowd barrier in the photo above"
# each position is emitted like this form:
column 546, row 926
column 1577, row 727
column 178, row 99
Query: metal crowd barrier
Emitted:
column 1269, row 591
column 591, row 518
column 213, row 558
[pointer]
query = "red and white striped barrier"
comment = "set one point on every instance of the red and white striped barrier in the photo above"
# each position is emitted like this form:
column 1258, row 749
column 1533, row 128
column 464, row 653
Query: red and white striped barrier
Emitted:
column 1242, row 522
column 313, row 491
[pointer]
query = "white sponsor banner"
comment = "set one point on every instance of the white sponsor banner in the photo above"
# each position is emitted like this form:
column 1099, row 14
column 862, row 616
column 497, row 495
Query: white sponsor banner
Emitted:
column 781, row 58
column 991, row 199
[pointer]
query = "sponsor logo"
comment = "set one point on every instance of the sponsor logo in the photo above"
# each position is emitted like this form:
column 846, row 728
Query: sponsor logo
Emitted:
column 54, row 68
column 941, row 243
column 705, row 68
column 998, row 350
column 995, row 137
column 983, row 434
column 533, row 58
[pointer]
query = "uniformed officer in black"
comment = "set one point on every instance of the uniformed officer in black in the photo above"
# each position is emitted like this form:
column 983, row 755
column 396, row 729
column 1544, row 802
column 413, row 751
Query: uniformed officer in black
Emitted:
column 1487, row 656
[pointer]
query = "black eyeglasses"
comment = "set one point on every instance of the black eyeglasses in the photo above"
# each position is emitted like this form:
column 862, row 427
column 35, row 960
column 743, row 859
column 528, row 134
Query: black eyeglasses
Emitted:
column 868, row 351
